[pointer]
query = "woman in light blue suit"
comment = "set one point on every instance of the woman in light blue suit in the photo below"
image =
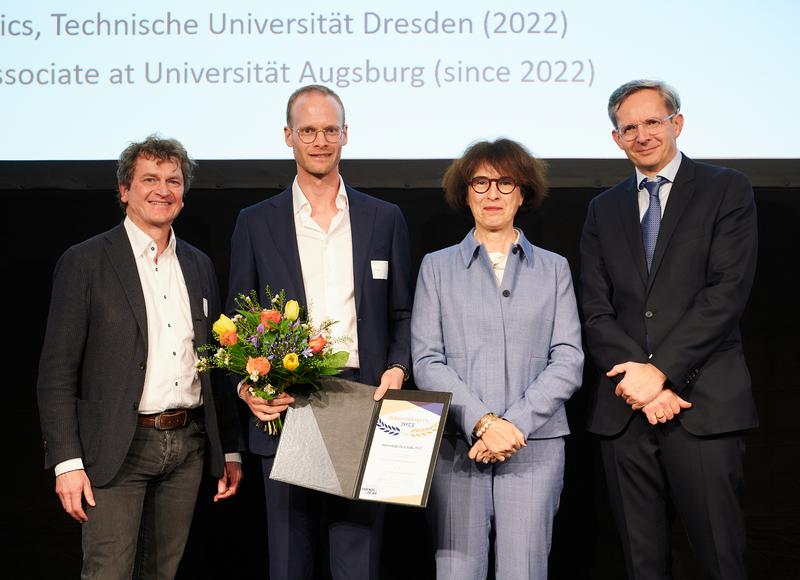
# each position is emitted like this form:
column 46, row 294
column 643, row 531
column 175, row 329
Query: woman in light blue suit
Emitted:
column 495, row 323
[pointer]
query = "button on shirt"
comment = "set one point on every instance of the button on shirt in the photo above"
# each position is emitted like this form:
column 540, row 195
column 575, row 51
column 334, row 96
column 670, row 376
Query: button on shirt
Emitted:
column 171, row 378
column 499, row 259
column 326, row 260
column 668, row 172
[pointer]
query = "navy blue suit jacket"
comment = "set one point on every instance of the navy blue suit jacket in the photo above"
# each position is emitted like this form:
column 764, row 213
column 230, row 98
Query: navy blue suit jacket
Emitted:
column 264, row 252
column 686, row 309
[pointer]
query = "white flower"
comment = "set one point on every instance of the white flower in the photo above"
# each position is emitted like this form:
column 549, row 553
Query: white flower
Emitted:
column 254, row 376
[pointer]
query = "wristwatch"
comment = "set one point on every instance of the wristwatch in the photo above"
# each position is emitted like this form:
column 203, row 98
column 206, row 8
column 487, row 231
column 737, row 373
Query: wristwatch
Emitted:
column 403, row 368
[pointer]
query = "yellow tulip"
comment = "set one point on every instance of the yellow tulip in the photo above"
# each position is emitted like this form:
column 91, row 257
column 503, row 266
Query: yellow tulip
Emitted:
column 290, row 361
column 224, row 325
column 291, row 311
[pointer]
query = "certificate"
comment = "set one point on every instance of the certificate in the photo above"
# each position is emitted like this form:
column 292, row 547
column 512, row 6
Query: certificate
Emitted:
column 340, row 441
column 403, row 450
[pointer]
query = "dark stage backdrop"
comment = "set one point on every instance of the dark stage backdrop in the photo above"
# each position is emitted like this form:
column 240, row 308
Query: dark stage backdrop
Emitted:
column 229, row 540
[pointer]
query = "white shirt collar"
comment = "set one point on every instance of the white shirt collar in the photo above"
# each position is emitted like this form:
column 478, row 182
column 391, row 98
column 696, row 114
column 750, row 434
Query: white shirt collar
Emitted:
column 142, row 244
column 300, row 202
column 669, row 171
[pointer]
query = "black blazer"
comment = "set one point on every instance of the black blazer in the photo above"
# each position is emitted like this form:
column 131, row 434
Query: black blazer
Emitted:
column 264, row 252
column 92, row 367
column 689, row 306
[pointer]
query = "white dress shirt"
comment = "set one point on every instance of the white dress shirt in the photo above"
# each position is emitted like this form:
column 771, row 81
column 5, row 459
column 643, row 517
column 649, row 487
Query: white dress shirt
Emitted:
column 669, row 172
column 326, row 260
column 171, row 380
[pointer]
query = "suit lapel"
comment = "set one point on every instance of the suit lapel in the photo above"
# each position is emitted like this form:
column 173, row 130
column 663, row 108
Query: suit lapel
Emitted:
column 280, row 226
column 629, row 215
column 362, row 221
column 194, row 287
column 120, row 254
column 679, row 197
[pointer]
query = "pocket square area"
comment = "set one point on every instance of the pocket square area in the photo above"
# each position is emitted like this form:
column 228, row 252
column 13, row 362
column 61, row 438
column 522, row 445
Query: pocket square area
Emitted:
column 380, row 269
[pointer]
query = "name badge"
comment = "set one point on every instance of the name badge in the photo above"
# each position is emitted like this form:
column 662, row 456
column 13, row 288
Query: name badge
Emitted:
column 380, row 269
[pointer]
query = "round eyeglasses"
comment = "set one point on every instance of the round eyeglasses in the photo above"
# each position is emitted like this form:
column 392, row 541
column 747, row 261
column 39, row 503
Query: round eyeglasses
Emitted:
column 309, row 134
column 481, row 184
column 651, row 127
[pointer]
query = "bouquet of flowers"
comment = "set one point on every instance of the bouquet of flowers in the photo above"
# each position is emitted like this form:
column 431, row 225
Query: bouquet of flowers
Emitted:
column 272, row 348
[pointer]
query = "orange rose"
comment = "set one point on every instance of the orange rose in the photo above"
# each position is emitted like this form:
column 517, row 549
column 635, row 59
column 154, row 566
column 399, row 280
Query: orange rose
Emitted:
column 272, row 316
column 259, row 366
column 317, row 343
column 228, row 338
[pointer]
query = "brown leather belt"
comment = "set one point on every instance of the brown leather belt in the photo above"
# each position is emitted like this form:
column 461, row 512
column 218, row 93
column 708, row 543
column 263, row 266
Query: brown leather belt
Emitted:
column 170, row 419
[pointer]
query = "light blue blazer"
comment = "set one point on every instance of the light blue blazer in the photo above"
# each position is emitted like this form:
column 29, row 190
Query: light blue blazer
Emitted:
column 514, row 350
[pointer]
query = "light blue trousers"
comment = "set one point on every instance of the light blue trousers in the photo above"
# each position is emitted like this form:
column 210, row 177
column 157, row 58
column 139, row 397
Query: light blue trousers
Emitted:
column 518, row 498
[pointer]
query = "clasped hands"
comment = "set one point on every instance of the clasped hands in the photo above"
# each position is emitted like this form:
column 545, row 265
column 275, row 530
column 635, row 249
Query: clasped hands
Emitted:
column 499, row 441
column 642, row 388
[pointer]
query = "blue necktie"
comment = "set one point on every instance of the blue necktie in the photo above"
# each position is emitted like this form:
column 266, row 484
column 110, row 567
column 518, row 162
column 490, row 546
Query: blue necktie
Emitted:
column 652, row 218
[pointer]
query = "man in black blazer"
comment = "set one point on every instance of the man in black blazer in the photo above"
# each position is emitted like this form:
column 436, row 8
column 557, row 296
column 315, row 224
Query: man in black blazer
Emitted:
column 126, row 419
column 668, row 258
column 345, row 255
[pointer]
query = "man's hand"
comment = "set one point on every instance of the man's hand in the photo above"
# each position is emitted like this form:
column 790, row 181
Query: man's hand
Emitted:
column 502, row 438
column 265, row 410
column 390, row 379
column 71, row 487
column 640, row 385
column 228, row 484
column 664, row 407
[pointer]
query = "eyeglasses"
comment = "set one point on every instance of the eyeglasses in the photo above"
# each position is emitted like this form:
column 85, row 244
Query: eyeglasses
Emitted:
column 651, row 127
column 481, row 184
column 309, row 134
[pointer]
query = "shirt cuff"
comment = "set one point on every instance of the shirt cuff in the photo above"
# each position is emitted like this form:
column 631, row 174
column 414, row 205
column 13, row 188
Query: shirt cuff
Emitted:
column 69, row 465
column 235, row 457
column 239, row 388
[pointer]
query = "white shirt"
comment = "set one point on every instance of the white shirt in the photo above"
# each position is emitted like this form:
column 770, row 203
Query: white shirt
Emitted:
column 326, row 260
column 499, row 260
column 669, row 172
column 171, row 379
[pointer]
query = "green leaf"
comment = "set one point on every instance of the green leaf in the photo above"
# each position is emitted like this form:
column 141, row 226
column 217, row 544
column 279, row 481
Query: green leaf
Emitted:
column 337, row 360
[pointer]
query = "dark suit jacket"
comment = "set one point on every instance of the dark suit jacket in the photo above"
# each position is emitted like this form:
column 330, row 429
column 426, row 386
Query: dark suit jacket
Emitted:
column 92, row 368
column 264, row 252
column 687, row 308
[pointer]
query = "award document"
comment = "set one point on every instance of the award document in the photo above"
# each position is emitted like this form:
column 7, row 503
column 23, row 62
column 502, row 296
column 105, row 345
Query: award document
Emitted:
column 339, row 441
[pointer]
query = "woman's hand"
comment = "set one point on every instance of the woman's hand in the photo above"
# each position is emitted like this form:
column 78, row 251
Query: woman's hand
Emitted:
column 502, row 438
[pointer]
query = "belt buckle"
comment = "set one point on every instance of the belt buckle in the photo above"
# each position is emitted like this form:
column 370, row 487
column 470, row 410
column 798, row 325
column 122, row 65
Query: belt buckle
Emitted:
column 169, row 416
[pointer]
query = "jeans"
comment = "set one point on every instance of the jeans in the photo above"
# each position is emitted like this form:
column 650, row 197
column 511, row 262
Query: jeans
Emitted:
column 141, row 521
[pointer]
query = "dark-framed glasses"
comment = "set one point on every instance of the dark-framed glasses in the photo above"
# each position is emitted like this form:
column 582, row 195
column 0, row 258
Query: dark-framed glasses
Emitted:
column 651, row 126
column 309, row 134
column 481, row 184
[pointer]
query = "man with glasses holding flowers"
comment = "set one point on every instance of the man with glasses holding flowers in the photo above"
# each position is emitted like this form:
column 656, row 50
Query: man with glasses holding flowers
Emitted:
column 345, row 255
column 667, row 261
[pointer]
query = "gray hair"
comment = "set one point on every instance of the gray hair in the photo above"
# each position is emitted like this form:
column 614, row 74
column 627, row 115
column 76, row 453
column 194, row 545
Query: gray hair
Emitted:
column 670, row 96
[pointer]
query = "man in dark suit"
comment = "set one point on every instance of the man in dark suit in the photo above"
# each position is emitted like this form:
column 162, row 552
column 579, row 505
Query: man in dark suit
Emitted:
column 126, row 419
column 668, row 258
column 346, row 256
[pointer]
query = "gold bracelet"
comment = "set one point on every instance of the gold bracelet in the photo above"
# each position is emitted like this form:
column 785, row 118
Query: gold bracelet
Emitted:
column 484, row 423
